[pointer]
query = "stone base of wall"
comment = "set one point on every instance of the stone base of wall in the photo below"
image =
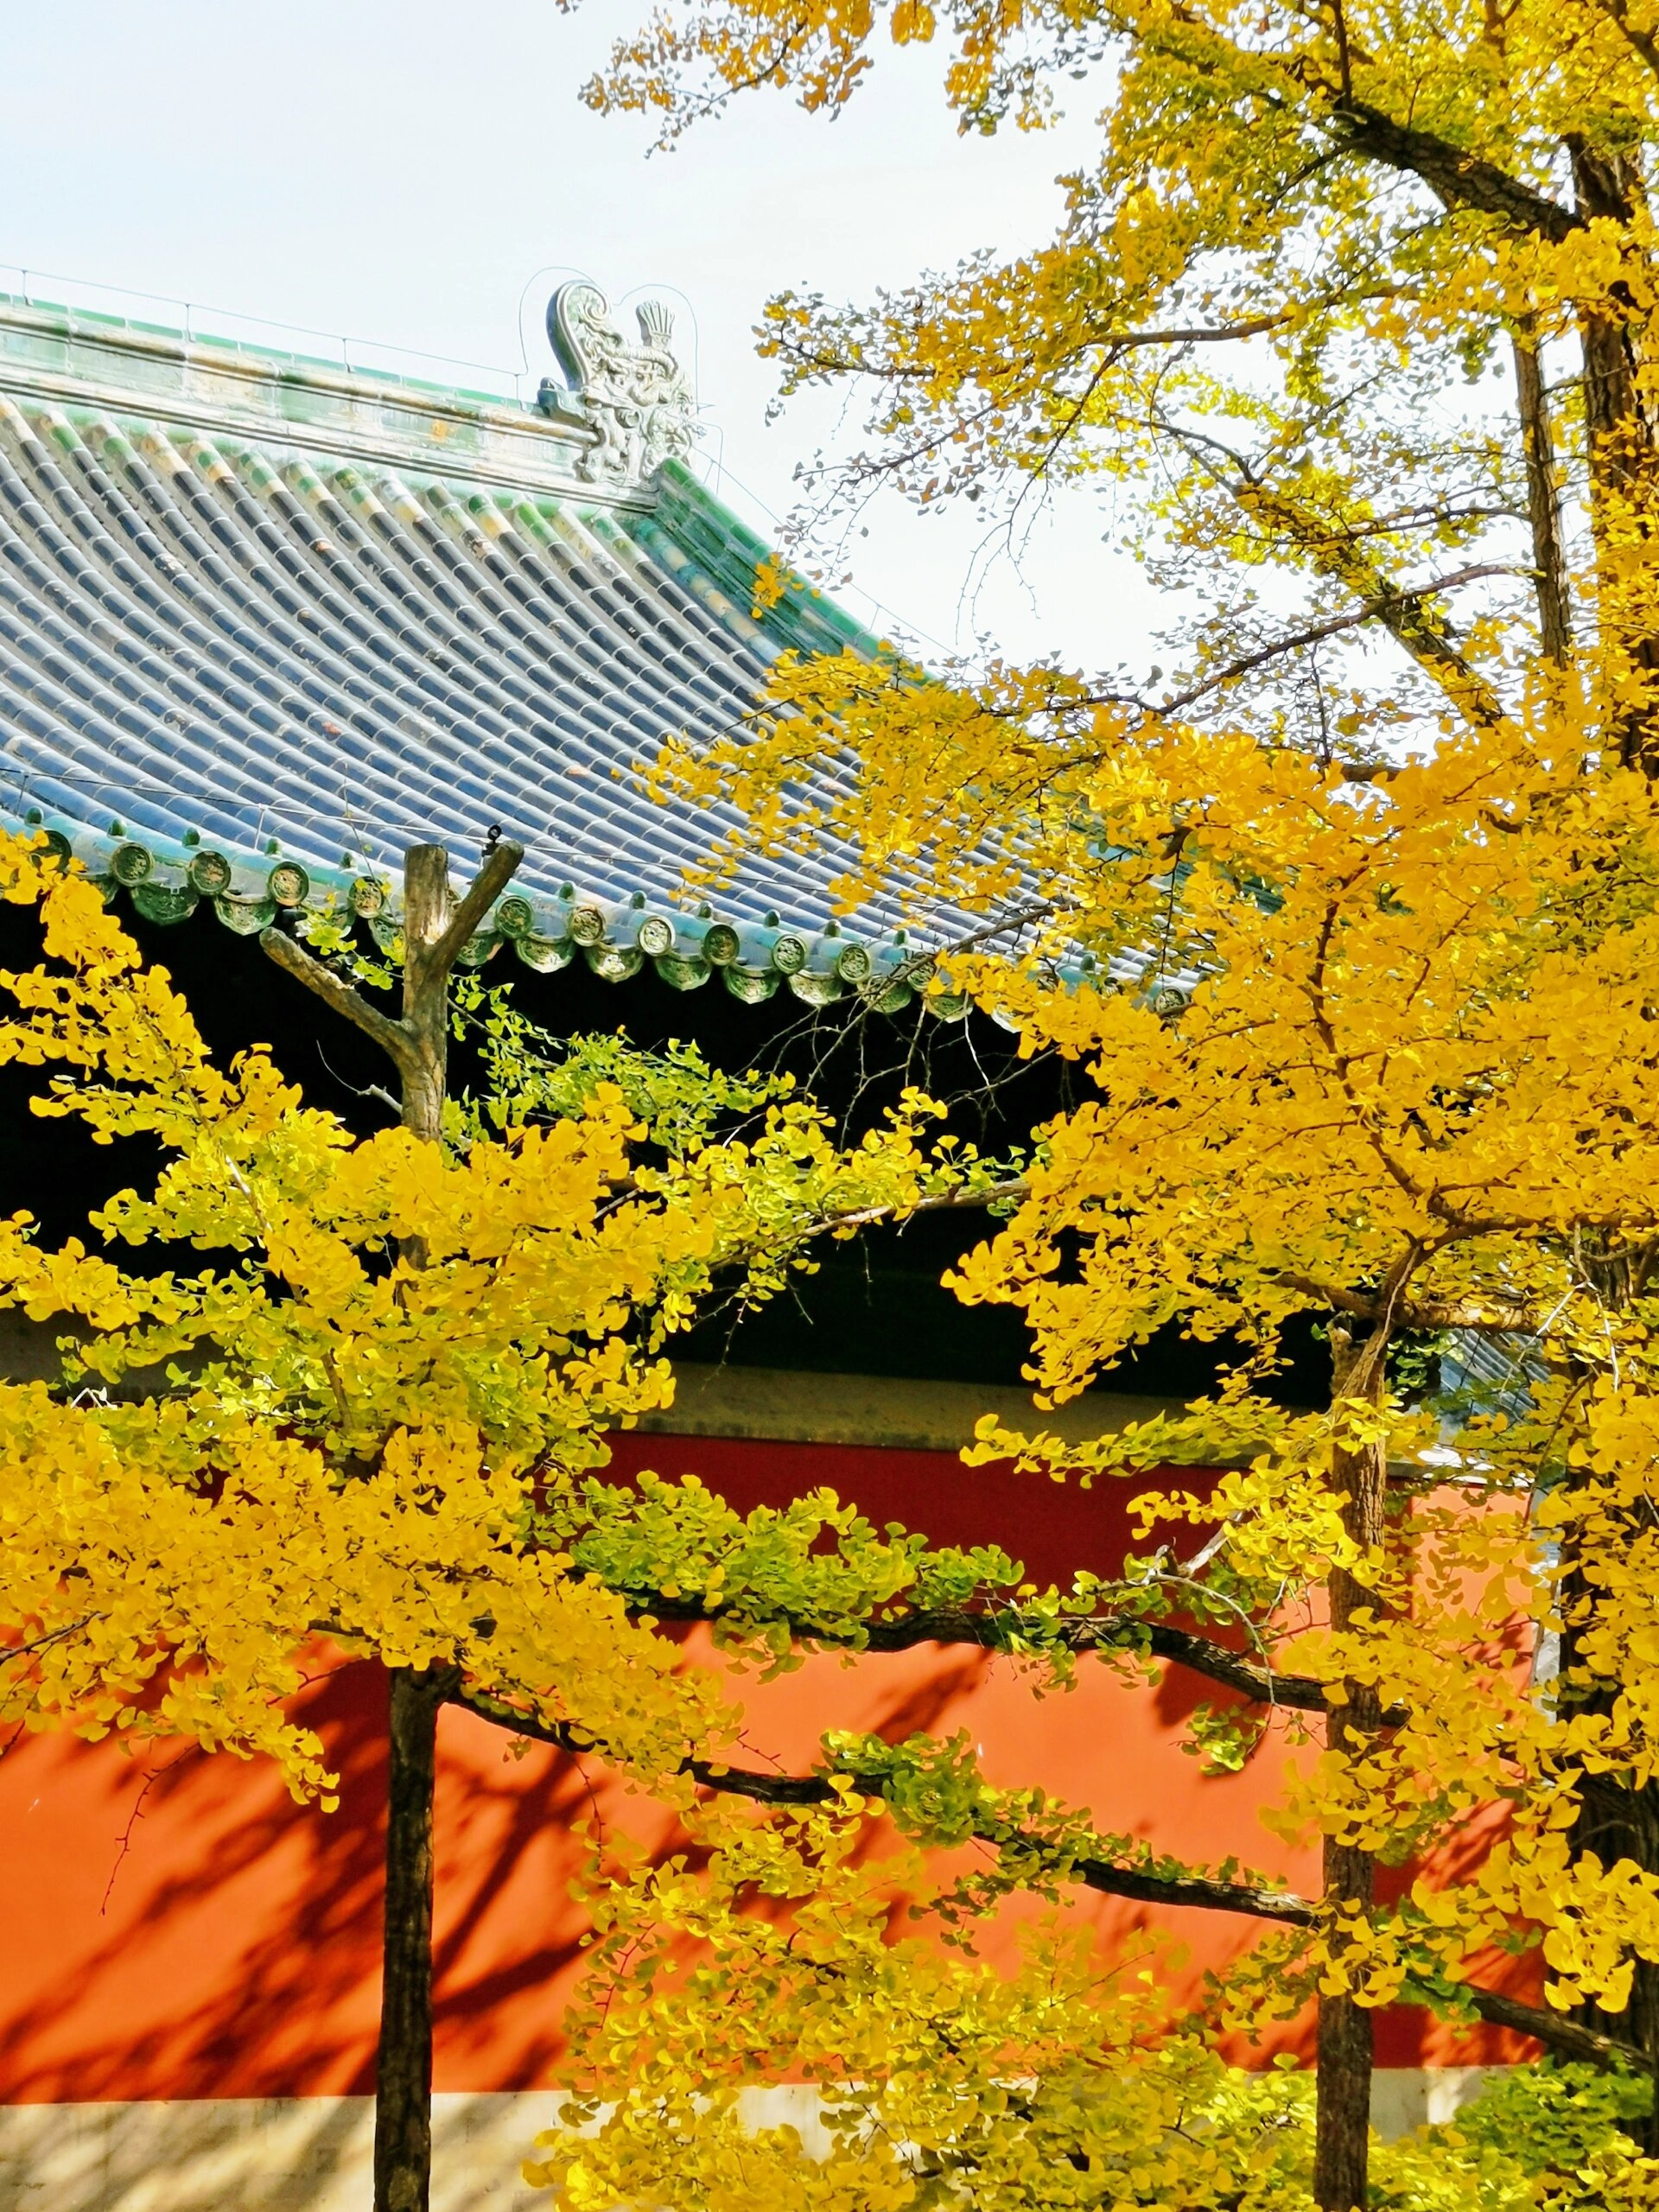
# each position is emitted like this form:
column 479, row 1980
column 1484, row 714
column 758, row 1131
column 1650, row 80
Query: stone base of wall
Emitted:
column 274, row 2154
column 1404, row 2097
column 314, row 2154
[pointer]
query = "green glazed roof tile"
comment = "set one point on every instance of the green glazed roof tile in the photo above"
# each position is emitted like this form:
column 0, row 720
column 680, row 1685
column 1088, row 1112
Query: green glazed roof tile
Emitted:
column 276, row 622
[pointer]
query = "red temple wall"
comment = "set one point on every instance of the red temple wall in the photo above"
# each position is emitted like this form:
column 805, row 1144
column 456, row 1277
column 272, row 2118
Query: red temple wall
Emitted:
column 175, row 1927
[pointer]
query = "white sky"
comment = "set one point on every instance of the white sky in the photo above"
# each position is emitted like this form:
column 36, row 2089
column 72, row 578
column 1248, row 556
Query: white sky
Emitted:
column 399, row 172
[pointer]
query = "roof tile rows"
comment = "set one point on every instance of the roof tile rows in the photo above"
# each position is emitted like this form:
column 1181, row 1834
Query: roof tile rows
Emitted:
column 252, row 669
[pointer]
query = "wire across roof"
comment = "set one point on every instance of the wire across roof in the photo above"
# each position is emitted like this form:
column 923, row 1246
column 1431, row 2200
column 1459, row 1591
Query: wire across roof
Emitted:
column 263, row 624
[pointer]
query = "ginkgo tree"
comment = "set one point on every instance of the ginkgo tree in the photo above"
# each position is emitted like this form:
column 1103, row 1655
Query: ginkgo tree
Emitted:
column 372, row 1409
column 381, row 1419
column 367, row 1414
column 1379, row 1053
column 1353, row 312
column 1389, row 1059
column 1352, row 309
column 378, row 1418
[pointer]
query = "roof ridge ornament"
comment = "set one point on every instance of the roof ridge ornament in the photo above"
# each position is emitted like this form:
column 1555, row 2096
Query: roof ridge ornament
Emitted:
column 636, row 397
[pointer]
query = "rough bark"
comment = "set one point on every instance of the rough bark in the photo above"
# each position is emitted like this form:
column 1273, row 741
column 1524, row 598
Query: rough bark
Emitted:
column 1455, row 176
column 1623, row 465
column 1543, row 495
column 403, row 2087
column 1619, row 1821
column 1345, row 2052
column 1342, row 2133
column 1639, row 2022
column 426, row 988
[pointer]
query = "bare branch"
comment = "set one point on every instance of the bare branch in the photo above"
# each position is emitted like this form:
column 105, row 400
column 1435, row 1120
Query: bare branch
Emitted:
column 289, row 954
column 13, row 1651
column 501, row 866
column 1407, row 615
column 1015, row 1187
column 1379, row 608
column 1255, row 1900
column 1040, row 910
column 1255, row 326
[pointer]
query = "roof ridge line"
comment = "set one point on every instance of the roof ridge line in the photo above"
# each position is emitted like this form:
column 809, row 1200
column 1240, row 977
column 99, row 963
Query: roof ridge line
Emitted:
column 455, row 437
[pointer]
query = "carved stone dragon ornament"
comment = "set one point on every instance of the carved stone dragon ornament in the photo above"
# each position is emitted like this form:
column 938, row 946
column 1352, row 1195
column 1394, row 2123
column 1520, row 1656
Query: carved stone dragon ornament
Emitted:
column 636, row 397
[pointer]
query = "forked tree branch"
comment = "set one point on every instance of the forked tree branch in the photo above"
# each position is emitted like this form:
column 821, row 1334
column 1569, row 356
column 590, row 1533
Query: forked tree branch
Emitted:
column 1387, row 606
column 397, row 1038
column 501, row 864
column 1457, row 179
column 289, row 954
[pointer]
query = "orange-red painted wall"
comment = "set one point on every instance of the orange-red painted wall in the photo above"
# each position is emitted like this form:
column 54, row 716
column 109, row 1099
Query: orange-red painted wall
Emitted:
column 173, row 1926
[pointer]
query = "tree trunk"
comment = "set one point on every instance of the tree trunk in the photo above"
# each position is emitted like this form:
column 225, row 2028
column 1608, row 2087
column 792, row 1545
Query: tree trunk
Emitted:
column 1623, row 465
column 436, row 930
column 1608, row 189
column 426, row 991
column 403, row 2088
column 1341, row 2131
column 1617, row 1821
column 1543, row 495
column 1639, row 2023
column 1345, row 2055
column 403, row 2108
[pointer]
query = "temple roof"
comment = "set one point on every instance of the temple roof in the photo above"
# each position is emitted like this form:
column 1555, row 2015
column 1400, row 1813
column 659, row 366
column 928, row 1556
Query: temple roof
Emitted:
column 265, row 621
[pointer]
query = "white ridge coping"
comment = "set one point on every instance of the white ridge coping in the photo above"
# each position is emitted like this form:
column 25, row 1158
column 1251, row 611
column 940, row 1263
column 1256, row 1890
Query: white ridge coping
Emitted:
column 774, row 1405
column 787, row 1406
column 298, row 406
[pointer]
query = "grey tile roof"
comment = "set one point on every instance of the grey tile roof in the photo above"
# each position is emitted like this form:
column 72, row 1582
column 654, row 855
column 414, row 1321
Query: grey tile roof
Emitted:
column 263, row 623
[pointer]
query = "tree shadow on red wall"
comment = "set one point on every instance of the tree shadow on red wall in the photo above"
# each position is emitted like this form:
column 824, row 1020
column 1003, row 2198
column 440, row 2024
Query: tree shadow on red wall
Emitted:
column 230, row 1948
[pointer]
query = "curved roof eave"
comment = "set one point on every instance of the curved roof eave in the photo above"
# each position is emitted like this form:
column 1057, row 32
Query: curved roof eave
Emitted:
column 264, row 623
